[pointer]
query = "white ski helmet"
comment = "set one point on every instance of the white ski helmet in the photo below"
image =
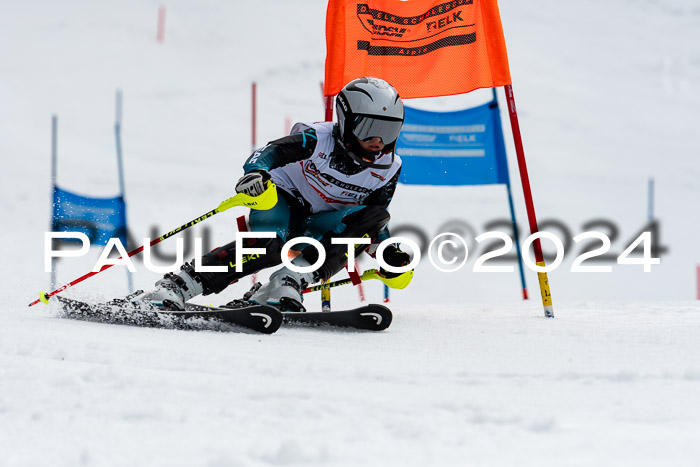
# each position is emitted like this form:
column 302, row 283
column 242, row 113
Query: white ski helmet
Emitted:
column 368, row 108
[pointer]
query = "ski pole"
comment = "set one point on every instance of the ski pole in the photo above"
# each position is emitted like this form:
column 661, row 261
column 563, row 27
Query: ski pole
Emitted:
column 398, row 282
column 265, row 201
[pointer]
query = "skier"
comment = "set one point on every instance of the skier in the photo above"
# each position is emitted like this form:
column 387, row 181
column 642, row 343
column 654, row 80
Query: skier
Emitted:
column 333, row 181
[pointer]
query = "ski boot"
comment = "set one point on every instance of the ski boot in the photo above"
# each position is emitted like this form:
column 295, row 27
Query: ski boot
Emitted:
column 173, row 290
column 283, row 291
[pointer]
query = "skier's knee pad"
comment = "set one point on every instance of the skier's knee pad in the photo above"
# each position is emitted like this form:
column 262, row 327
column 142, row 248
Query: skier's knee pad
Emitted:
column 368, row 221
column 215, row 282
column 364, row 223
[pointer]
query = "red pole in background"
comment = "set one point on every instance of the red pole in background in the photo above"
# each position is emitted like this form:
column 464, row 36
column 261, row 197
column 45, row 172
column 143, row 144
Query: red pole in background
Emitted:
column 160, row 35
column 253, row 117
column 328, row 103
column 326, row 293
column 329, row 108
column 525, row 179
column 253, row 145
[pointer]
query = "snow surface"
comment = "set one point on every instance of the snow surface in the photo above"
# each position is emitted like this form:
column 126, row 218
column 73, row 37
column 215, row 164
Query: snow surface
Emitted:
column 468, row 374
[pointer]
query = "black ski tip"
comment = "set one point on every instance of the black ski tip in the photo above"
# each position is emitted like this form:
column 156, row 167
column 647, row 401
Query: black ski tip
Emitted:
column 386, row 315
column 378, row 317
column 261, row 318
column 371, row 317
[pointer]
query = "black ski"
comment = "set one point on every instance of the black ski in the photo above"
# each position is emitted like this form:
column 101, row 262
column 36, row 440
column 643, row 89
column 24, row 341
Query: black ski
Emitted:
column 370, row 317
column 260, row 318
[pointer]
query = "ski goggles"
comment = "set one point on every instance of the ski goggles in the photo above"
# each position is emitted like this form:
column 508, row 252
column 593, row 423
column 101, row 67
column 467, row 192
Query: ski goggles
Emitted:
column 366, row 128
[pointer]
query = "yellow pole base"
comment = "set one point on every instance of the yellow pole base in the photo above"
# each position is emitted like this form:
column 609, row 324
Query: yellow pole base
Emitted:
column 546, row 295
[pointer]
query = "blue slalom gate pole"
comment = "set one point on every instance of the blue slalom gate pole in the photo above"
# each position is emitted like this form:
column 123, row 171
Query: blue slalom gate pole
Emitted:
column 54, row 157
column 516, row 239
column 120, row 167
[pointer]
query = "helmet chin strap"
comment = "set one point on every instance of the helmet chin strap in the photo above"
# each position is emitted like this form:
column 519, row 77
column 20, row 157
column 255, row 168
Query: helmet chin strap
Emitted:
column 360, row 160
column 366, row 163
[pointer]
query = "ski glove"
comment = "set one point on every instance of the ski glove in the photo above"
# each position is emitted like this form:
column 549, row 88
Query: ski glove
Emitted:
column 253, row 183
column 393, row 256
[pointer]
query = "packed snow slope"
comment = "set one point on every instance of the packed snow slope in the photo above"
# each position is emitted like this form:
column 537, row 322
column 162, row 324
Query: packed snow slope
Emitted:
column 468, row 373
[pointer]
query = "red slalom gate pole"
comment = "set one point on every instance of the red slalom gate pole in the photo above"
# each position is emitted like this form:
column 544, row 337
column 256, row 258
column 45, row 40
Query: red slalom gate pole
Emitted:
column 326, row 293
column 525, row 179
column 253, row 145
column 253, row 114
column 160, row 34
column 329, row 108
column 355, row 276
